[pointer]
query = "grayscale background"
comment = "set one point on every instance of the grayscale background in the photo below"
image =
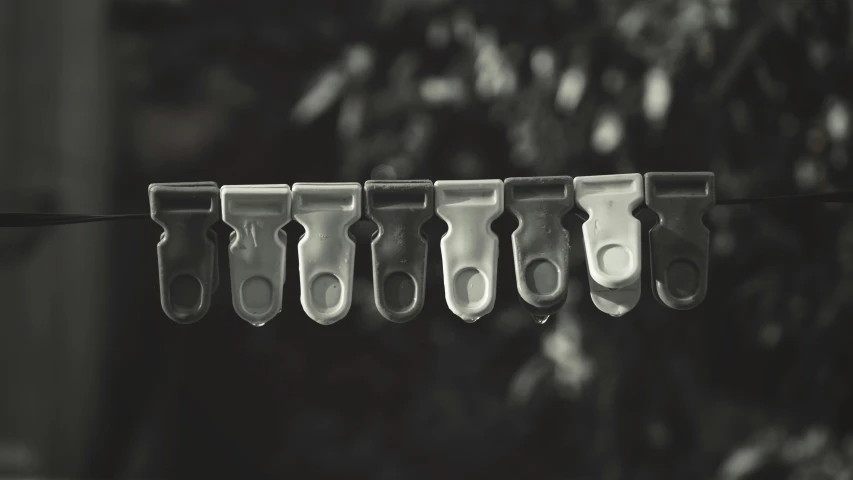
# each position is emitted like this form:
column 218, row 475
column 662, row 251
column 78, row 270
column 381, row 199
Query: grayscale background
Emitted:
column 99, row 98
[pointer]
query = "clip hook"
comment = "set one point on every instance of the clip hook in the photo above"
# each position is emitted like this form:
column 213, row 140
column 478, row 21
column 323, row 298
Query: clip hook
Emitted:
column 469, row 249
column 187, row 254
column 680, row 242
column 257, row 248
column 399, row 208
column 612, row 239
column 540, row 244
column 326, row 249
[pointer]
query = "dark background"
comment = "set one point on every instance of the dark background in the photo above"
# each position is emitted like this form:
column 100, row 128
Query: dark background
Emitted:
column 99, row 98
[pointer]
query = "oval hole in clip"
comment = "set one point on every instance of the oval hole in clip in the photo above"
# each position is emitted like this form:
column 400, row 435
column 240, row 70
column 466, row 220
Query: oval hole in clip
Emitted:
column 185, row 294
column 469, row 287
column 256, row 295
column 542, row 277
column 326, row 293
column 682, row 279
column 615, row 260
column 399, row 292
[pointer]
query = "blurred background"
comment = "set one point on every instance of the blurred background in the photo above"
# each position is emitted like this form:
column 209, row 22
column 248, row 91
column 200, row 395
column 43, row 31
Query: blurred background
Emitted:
column 99, row 98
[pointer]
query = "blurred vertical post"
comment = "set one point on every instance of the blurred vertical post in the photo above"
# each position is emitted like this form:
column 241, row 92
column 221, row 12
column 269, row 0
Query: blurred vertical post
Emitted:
column 54, row 295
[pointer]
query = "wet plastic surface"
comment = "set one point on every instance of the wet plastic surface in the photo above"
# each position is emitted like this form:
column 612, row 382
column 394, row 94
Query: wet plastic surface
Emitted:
column 257, row 247
column 399, row 209
column 679, row 246
column 540, row 244
column 612, row 239
column 326, row 250
column 187, row 253
column 469, row 249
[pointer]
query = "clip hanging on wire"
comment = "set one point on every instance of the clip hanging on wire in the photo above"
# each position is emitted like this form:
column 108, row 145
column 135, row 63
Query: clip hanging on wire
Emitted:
column 679, row 245
column 540, row 244
column 326, row 249
column 257, row 248
column 612, row 239
column 187, row 253
column 469, row 249
column 399, row 208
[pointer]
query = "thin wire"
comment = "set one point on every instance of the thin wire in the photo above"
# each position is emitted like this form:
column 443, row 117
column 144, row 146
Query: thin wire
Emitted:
column 52, row 219
column 831, row 197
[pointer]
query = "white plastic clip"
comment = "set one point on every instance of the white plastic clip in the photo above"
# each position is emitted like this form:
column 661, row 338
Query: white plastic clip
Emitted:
column 612, row 239
column 257, row 247
column 469, row 249
column 326, row 249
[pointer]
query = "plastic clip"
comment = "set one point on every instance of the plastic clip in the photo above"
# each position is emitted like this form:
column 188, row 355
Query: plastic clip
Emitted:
column 257, row 248
column 326, row 249
column 612, row 239
column 540, row 244
column 399, row 208
column 680, row 243
column 187, row 254
column 469, row 249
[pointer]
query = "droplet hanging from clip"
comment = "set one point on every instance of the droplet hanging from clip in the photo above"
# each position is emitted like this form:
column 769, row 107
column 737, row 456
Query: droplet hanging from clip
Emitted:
column 612, row 239
column 469, row 249
column 257, row 248
column 326, row 249
column 187, row 253
column 540, row 244
column 680, row 244
column 399, row 208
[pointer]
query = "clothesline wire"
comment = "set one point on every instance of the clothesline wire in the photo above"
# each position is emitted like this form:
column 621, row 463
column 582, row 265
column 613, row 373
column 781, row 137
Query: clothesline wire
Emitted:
column 51, row 219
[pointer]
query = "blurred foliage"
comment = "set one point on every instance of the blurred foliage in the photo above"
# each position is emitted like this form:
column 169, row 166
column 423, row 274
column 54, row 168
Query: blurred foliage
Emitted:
column 753, row 384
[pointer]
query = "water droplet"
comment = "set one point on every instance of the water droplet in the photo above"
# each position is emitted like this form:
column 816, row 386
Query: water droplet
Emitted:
column 541, row 319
